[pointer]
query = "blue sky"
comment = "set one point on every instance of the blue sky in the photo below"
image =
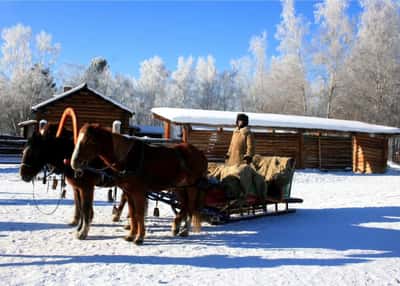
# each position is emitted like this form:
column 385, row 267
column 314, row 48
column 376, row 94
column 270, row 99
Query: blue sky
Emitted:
column 126, row 33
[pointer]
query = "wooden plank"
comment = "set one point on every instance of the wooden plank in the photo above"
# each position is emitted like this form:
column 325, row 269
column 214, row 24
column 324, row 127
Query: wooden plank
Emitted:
column 167, row 130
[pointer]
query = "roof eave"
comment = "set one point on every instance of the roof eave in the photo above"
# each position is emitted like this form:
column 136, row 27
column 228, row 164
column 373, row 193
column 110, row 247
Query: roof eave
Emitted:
column 82, row 86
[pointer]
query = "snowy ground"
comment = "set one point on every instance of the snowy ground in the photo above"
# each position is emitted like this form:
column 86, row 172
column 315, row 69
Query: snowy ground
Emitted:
column 347, row 232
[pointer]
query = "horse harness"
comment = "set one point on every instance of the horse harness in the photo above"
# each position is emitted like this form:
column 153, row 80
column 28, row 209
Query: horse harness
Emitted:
column 137, row 169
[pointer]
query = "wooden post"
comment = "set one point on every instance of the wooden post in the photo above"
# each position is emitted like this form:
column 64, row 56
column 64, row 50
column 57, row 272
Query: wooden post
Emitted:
column 385, row 153
column 355, row 155
column 167, row 130
column 185, row 133
column 319, row 151
column 116, row 127
column 301, row 151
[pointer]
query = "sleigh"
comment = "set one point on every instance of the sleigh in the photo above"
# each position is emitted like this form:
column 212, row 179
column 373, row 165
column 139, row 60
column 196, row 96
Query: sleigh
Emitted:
column 225, row 200
column 221, row 205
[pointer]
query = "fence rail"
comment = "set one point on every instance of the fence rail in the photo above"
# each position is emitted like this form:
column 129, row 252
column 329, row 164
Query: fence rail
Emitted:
column 11, row 149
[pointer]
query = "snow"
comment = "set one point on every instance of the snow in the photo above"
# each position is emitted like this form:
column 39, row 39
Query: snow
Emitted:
column 228, row 118
column 346, row 232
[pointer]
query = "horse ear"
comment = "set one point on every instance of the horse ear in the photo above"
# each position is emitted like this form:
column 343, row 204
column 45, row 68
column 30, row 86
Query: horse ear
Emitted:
column 90, row 128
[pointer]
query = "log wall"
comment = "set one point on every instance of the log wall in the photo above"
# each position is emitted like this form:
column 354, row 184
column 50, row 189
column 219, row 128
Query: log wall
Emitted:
column 362, row 153
column 370, row 154
column 278, row 144
column 214, row 144
column 88, row 108
column 327, row 152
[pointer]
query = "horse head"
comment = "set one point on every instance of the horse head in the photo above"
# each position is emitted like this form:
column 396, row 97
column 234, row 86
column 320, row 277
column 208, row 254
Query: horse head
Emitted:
column 86, row 148
column 34, row 157
column 44, row 148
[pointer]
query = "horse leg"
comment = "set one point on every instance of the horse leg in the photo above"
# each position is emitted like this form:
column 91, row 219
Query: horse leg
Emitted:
column 193, row 210
column 140, row 206
column 132, row 220
column 77, row 207
column 197, row 205
column 181, row 215
column 118, row 210
column 86, row 211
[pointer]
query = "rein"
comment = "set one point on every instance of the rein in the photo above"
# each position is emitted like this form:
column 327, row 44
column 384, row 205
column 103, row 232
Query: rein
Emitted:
column 55, row 182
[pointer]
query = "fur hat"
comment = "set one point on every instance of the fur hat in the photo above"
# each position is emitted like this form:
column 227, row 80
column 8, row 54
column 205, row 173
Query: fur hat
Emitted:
column 243, row 117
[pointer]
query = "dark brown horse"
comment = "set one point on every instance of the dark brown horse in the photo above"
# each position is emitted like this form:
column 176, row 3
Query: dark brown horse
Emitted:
column 143, row 167
column 45, row 148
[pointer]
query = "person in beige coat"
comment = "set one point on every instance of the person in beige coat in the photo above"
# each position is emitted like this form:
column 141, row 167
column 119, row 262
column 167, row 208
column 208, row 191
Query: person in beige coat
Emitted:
column 241, row 149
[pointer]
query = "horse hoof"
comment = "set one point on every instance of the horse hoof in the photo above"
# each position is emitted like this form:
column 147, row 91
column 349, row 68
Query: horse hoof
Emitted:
column 74, row 222
column 184, row 233
column 175, row 232
column 127, row 226
column 115, row 218
column 81, row 235
column 128, row 238
column 139, row 241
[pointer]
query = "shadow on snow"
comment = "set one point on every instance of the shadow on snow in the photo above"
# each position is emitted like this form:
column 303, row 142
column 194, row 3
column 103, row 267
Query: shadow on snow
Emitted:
column 329, row 229
column 207, row 261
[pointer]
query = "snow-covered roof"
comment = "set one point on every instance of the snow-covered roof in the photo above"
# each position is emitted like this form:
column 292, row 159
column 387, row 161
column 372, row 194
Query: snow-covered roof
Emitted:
column 75, row 89
column 267, row 120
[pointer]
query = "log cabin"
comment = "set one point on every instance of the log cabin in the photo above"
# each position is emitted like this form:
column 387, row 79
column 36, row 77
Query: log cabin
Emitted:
column 89, row 105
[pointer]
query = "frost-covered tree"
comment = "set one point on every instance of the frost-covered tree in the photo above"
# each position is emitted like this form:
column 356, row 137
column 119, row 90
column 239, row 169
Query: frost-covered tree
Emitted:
column 287, row 86
column 71, row 74
column 124, row 90
column 333, row 43
column 151, row 88
column 371, row 78
column 98, row 76
column 4, row 93
column 287, row 79
column 317, row 103
column 16, row 50
column 47, row 52
column 257, row 99
column 25, row 90
column 26, row 65
column 205, row 83
column 242, row 69
column 180, row 89
column 227, row 90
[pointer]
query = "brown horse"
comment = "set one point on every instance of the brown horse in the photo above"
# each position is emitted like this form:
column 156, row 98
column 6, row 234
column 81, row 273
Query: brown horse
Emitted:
column 46, row 148
column 143, row 167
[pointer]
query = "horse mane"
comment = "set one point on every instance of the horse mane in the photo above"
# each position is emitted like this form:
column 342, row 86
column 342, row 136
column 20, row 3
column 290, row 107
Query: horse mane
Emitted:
column 103, row 131
column 121, row 145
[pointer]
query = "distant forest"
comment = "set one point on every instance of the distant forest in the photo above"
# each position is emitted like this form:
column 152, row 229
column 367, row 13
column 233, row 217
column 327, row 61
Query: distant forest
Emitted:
column 346, row 68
